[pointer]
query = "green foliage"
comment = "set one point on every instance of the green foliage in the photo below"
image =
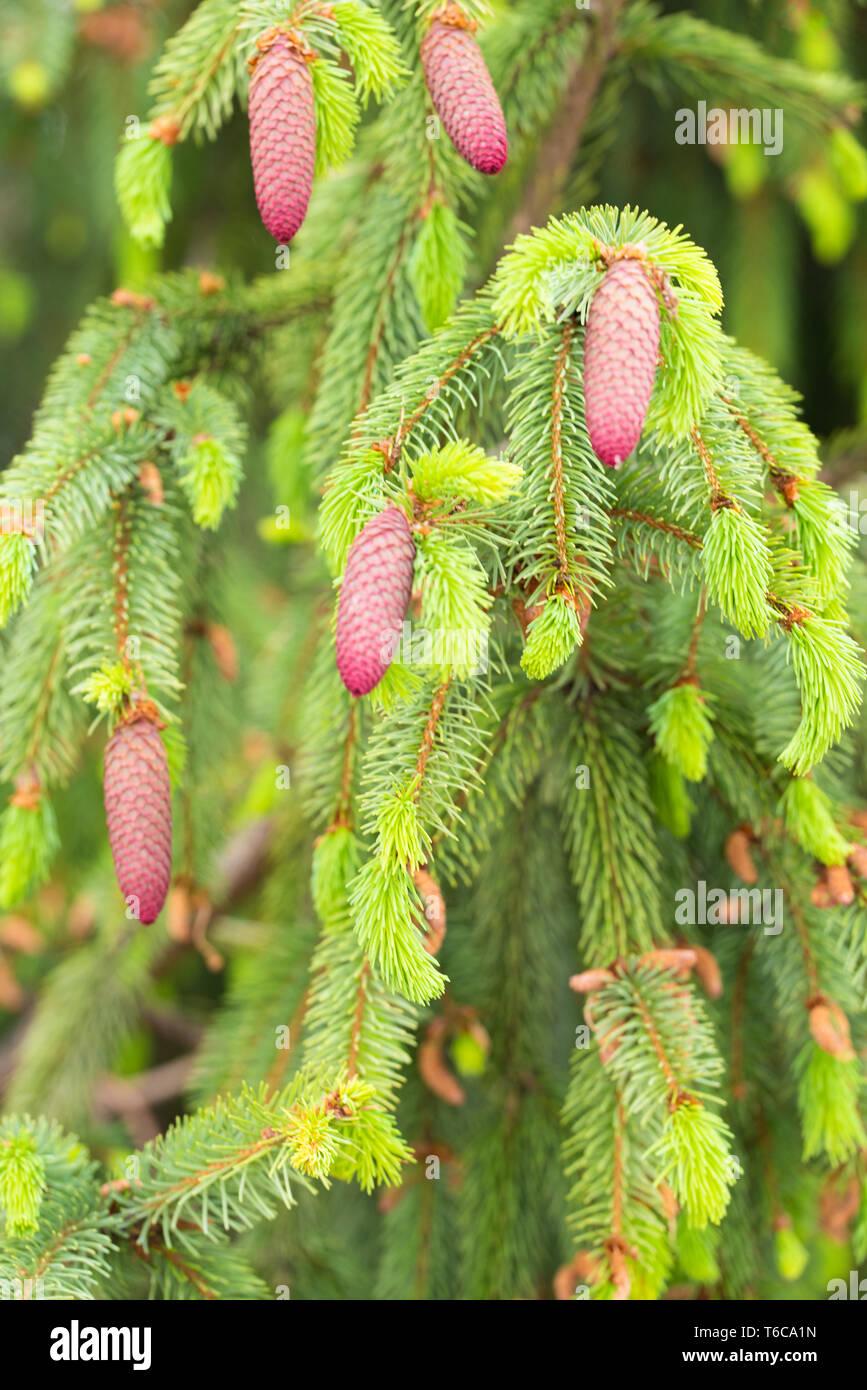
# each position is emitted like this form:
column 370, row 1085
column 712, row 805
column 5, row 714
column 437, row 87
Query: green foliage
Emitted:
column 28, row 844
column 337, row 115
column 438, row 264
column 808, row 814
column 682, row 729
column 551, row 637
column 143, row 180
column 22, row 1183
column 738, row 571
column 828, row 1100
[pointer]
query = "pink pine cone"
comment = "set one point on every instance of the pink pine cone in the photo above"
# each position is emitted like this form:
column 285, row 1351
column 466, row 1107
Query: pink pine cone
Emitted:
column 463, row 95
column 621, row 347
column 282, row 137
column 138, row 812
column 376, row 589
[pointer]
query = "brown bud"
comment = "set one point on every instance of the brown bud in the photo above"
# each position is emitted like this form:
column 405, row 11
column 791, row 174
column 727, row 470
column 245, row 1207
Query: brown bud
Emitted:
column 225, row 652
column 434, row 910
column 620, row 1277
column 432, row 1066
column 127, row 416
column 819, row 895
column 128, row 299
column 737, row 852
column 151, row 482
column 20, row 935
column 28, row 792
column 858, row 860
column 165, row 129
column 581, row 1269
column 840, row 887
column 708, row 972
column 84, row 359
column 680, row 959
column 830, row 1029
column 182, row 389
column 179, row 914
column 209, row 283
column 590, row 980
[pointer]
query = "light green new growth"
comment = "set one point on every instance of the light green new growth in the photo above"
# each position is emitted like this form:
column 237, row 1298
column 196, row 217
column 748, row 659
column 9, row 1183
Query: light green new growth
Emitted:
column 551, row 637
column 143, row 183
column 737, row 570
column 438, row 263
column 461, row 469
column 337, row 115
column 22, row 1183
column 107, row 687
column 28, row 843
column 808, row 814
column 828, row 1101
column 682, row 729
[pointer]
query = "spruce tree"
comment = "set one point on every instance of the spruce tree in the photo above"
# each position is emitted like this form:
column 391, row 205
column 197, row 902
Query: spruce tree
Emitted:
column 434, row 849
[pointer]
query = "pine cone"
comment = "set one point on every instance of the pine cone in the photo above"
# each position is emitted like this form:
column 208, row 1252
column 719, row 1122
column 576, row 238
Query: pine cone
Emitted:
column 282, row 136
column 462, row 92
column 620, row 352
column 376, row 589
column 138, row 812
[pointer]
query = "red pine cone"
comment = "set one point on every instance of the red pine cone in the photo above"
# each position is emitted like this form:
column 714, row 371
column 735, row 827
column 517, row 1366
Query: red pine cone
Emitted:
column 463, row 93
column 376, row 589
column 282, row 136
column 138, row 812
column 621, row 347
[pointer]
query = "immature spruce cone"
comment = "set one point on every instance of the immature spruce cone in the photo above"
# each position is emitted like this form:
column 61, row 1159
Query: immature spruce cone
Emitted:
column 463, row 93
column 620, row 351
column 376, row 589
column 138, row 812
column 282, row 136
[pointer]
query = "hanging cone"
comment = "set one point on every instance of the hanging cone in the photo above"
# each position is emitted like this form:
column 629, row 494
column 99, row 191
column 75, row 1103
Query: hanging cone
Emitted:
column 282, row 134
column 138, row 813
column 462, row 91
column 621, row 347
column 374, row 595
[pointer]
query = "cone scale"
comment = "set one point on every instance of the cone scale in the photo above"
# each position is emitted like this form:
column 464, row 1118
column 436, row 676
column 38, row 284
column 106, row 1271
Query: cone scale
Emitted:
column 462, row 92
column 282, row 134
column 621, row 347
column 138, row 813
column 374, row 596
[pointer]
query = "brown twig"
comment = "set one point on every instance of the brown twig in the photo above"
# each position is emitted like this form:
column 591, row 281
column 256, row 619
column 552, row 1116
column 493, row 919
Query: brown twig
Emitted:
column 557, row 156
